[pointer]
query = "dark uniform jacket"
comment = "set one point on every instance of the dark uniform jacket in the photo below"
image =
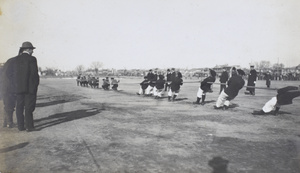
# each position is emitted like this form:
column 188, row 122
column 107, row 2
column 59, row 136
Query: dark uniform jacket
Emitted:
column 26, row 77
column 176, row 82
column 152, row 78
column 205, row 86
column 286, row 95
column 224, row 77
column 235, row 83
column 144, row 84
column 169, row 77
column 7, row 85
column 160, row 84
column 251, row 79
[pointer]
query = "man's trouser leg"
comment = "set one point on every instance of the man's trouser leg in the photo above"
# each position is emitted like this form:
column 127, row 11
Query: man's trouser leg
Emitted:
column 9, row 101
column 222, row 87
column 149, row 89
column 140, row 91
column 30, row 102
column 20, row 111
column 221, row 99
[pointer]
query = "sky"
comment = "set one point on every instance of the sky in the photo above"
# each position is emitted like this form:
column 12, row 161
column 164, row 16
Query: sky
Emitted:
column 142, row 34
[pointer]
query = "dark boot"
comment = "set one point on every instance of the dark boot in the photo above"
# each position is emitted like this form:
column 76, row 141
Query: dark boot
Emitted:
column 174, row 97
column 276, row 112
column 260, row 112
column 203, row 99
column 198, row 101
column 169, row 98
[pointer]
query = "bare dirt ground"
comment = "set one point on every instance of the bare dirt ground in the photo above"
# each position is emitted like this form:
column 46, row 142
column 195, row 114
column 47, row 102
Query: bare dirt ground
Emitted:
column 91, row 130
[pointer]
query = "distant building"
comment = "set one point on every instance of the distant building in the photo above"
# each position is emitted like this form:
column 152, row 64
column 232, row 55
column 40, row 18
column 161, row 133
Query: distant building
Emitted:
column 219, row 68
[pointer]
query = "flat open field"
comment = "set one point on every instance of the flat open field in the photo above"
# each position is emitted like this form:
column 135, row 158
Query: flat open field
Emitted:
column 91, row 130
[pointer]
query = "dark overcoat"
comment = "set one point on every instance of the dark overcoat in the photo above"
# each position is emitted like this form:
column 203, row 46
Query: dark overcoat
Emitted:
column 25, row 72
column 224, row 77
column 251, row 79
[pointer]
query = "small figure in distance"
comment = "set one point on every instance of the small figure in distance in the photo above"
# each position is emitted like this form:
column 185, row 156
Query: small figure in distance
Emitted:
column 114, row 83
column 105, row 84
column 268, row 79
column 251, row 81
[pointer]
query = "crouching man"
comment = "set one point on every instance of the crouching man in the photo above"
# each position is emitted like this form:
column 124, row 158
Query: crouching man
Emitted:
column 235, row 83
column 205, row 87
column 159, row 87
column 114, row 83
column 284, row 96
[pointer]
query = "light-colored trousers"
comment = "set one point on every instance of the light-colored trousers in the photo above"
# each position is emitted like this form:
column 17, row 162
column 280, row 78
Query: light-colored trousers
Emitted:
column 270, row 105
column 140, row 90
column 170, row 93
column 200, row 93
column 222, row 100
column 157, row 92
column 149, row 90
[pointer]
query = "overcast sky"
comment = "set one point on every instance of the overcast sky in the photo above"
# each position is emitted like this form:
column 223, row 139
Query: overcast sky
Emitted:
column 152, row 33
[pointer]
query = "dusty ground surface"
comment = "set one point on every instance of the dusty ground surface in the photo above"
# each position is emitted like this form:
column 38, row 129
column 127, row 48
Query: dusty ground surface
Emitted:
column 92, row 130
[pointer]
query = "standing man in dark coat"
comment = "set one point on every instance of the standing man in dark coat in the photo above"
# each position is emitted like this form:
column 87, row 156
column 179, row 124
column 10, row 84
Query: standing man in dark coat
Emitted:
column 26, row 80
column 7, row 90
column 223, row 80
column 251, row 81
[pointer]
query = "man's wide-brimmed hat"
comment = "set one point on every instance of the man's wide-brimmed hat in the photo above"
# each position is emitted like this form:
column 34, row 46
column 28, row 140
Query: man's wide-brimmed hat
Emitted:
column 27, row 45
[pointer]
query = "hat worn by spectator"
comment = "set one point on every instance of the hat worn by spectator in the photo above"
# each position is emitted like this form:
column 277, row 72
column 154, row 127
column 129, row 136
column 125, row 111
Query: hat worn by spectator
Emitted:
column 27, row 45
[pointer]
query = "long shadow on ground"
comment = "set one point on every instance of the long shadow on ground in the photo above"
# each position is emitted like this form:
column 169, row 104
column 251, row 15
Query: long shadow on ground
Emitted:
column 56, row 119
column 51, row 103
column 57, row 100
column 15, row 147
